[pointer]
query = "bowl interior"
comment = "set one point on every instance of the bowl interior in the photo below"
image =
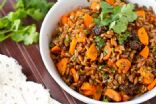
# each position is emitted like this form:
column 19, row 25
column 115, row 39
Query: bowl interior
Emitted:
column 47, row 30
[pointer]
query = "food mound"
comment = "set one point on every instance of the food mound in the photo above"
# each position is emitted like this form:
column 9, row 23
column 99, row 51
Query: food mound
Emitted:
column 107, row 51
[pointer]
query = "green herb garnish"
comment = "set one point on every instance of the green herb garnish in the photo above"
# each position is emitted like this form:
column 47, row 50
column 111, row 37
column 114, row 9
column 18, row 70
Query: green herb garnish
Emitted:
column 101, row 67
column 12, row 26
column 105, row 99
column 105, row 76
column 99, row 42
column 123, row 37
column 117, row 18
column 36, row 9
column 121, row 17
column 67, row 40
column 112, row 70
column 104, row 18
column 105, row 52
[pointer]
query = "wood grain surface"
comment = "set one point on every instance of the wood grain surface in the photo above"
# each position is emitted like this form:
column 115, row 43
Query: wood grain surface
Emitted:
column 33, row 67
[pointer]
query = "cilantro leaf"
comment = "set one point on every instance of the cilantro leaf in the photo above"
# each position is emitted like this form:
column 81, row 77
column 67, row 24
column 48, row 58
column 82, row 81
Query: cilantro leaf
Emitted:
column 106, row 7
column 19, row 14
column 31, row 37
column 35, row 14
column 131, row 16
column 16, row 24
column 105, row 22
column 36, row 9
column 3, row 37
column 17, row 36
column 4, row 23
column 27, row 34
column 121, row 17
column 127, row 8
column 12, row 26
column 117, row 18
column 104, row 19
column 120, row 25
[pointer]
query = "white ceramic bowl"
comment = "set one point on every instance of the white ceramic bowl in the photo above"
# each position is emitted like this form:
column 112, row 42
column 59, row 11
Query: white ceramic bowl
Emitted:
column 48, row 27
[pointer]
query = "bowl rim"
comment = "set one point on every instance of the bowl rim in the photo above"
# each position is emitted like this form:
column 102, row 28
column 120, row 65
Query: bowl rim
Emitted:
column 64, row 86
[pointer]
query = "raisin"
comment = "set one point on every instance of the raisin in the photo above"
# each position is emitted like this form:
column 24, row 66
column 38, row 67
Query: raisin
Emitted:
column 96, row 30
column 134, row 45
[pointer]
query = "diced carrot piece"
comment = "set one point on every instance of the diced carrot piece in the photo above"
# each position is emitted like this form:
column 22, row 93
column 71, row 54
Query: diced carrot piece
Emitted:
column 88, row 89
column 56, row 49
column 62, row 65
column 110, row 63
column 141, row 13
column 143, row 71
column 124, row 65
column 143, row 36
column 97, row 94
column 92, row 52
column 151, row 86
column 88, row 20
column 145, row 52
column 75, row 75
column 111, row 2
column 62, row 53
column 124, row 96
column 149, row 79
column 86, row 86
column 72, row 46
column 107, row 52
column 88, row 92
column 64, row 19
column 114, row 95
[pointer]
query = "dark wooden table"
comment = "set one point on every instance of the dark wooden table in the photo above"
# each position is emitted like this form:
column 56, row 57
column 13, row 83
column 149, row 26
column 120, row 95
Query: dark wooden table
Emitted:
column 33, row 67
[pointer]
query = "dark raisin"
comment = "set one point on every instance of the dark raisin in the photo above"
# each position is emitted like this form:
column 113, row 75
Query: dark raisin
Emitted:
column 130, row 89
column 134, row 45
column 96, row 30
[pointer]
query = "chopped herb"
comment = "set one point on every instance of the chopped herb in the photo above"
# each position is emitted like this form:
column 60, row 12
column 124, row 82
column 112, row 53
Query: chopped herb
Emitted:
column 112, row 70
column 116, row 18
column 105, row 76
column 67, row 40
column 101, row 67
column 103, row 19
column 105, row 99
column 99, row 42
column 86, row 32
column 121, row 17
column 80, row 71
column 113, row 49
column 123, row 37
column 13, row 27
column 73, row 58
column 154, row 49
column 95, row 15
column 105, row 52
